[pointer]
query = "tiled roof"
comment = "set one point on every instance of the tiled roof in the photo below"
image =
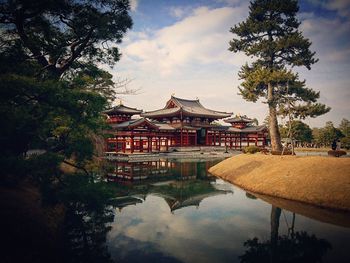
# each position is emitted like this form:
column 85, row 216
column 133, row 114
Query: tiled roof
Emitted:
column 220, row 128
column 164, row 126
column 161, row 112
column 188, row 127
column 121, row 109
column 238, row 119
column 248, row 129
column 124, row 124
column 133, row 123
column 187, row 107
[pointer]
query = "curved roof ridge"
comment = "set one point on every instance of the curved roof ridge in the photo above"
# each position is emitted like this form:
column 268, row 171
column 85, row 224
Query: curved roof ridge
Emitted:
column 208, row 112
column 177, row 98
column 238, row 118
column 161, row 111
column 197, row 101
column 122, row 108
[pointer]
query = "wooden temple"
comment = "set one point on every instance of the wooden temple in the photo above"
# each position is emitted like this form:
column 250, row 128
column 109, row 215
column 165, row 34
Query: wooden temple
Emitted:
column 181, row 123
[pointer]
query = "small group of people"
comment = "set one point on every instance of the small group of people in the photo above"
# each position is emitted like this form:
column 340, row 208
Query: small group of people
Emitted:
column 336, row 145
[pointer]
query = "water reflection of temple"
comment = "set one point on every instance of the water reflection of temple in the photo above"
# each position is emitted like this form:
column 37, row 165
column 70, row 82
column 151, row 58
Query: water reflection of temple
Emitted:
column 180, row 184
column 189, row 193
column 162, row 169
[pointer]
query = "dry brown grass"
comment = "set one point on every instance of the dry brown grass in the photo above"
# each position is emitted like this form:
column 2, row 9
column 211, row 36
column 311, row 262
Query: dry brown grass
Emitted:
column 321, row 181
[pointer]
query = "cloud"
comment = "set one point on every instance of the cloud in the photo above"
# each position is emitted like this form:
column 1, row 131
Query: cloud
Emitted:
column 200, row 38
column 331, row 37
column 173, row 233
column 342, row 7
column 189, row 57
column 133, row 5
column 178, row 12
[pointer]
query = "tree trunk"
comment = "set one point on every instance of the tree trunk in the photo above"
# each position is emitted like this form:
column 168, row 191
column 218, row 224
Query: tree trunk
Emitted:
column 273, row 124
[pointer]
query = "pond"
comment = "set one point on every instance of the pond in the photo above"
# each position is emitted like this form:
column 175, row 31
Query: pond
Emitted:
column 174, row 211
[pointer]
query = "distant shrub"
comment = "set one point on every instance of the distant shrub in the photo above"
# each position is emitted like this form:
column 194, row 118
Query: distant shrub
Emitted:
column 251, row 149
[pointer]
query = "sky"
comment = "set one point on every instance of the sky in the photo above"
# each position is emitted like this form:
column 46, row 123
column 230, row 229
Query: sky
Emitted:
column 181, row 48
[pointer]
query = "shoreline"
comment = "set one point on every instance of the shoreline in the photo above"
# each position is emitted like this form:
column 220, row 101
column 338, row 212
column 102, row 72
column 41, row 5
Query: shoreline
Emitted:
column 201, row 153
column 319, row 181
column 172, row 155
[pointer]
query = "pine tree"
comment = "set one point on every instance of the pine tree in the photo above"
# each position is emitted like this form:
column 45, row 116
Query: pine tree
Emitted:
column 270, row 35
column 65, row 35
column 52, row 85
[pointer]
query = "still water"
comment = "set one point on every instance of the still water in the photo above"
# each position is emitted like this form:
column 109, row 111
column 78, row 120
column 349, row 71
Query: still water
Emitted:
column 174, row 211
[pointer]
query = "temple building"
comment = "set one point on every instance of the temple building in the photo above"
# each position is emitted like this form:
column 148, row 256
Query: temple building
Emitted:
column 181, row 123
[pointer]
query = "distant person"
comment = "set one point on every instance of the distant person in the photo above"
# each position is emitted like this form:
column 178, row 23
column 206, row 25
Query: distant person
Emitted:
column 334, row 145
column 338, row 145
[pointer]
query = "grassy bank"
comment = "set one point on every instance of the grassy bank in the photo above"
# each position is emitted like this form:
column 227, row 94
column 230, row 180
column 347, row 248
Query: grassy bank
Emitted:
column 300, row 149
column 316, row 180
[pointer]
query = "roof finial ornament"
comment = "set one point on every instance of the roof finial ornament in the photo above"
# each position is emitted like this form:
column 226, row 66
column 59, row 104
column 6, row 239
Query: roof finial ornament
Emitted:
column 173, row 94
column 120, row 102
column 197, row 98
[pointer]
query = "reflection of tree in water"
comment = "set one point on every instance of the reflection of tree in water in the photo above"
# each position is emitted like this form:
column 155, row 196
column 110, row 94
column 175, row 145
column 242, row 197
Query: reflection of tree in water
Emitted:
column 87, row 215
column 294, row 247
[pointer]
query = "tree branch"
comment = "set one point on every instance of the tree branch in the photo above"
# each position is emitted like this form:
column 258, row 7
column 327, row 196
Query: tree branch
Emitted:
column 27, row 43
column 76, row 166
column 76, row 52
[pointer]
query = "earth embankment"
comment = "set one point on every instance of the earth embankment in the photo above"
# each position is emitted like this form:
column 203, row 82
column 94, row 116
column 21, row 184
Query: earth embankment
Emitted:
column 316, row 180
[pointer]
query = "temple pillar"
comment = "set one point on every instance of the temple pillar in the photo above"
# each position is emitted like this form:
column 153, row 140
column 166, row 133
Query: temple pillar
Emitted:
column 131, row 144
column 124, row 144
column 141, row 145
column 149, row 144
column 181, row 139
column 195, row 138
column 187, row 138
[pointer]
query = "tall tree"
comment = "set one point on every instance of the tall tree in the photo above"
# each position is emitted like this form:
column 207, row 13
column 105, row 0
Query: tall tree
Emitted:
column 51, row 95
column 66, row 34
column 270, row 35
column 52, row 89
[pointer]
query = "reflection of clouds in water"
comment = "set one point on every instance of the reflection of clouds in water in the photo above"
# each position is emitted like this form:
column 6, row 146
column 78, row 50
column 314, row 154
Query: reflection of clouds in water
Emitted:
column 191, row 234
column 132, row 250
column 213, row 232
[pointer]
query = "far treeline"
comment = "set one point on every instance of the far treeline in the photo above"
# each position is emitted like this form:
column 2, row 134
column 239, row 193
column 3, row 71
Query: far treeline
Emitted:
column 317, row 137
